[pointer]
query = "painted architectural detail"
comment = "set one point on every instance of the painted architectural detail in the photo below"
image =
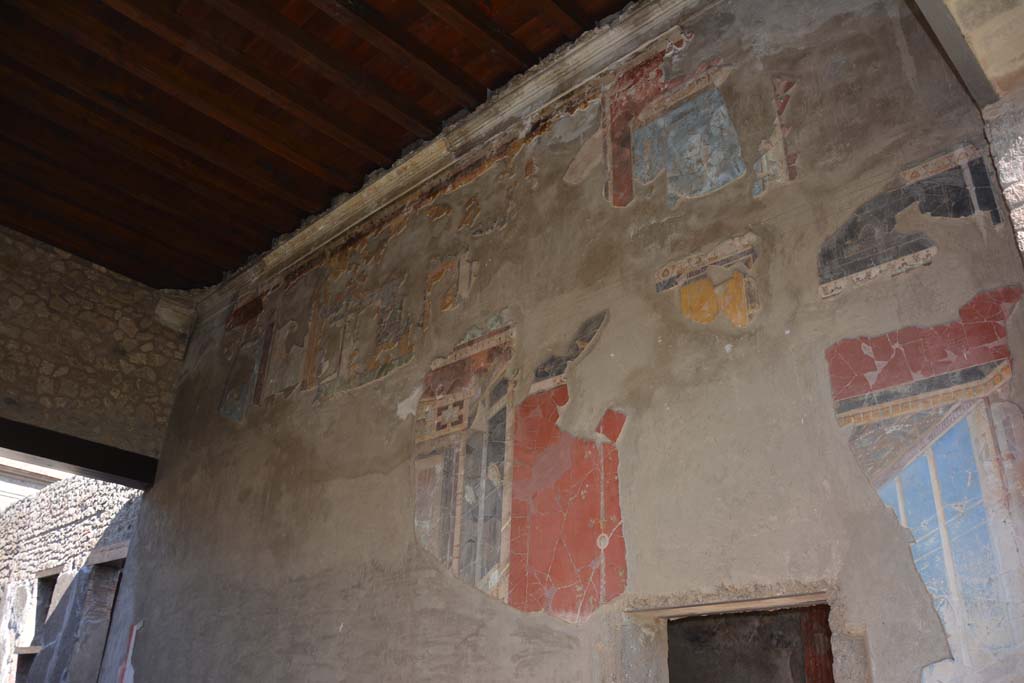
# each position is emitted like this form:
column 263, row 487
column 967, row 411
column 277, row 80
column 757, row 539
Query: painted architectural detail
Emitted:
column 914, row 368
column 505, row 500
column 777, row 164
column 463, row 463
column 945, row 454
column 868, row 246
column 716, row 282
column 679, row 126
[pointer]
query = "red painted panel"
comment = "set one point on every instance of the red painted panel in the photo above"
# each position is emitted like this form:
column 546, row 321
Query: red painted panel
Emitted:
column 567, row 552
column 866, row 364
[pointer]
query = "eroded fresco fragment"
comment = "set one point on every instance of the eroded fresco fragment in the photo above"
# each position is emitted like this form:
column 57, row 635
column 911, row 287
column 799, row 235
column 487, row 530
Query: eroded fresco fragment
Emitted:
column 868, row 246
column 463, row 463
column 717, row 282
column 506, row 500
column 777, row 164
column 681, row 126
column 943, row 449
column 567, row 553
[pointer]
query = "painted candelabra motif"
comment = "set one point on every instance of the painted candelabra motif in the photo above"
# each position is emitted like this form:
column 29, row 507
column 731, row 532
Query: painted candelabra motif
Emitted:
column 777, row 163
column 679, row 126
column 868, row 246
column 505, row 499
column 943, row 447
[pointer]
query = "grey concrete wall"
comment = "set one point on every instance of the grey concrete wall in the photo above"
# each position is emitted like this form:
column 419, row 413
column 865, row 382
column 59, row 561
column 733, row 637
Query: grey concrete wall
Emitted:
column 280, row 540
column 81, row 348
column 59, row 530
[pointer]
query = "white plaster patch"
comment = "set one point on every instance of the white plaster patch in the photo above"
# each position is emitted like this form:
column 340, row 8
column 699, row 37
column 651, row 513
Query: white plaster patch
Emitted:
column 407, row 406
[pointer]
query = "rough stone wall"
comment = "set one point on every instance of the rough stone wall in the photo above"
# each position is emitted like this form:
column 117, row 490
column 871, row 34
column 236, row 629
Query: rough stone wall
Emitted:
column 1004, row 123
column 81, row 351
column 58, row 528
column 601, row 368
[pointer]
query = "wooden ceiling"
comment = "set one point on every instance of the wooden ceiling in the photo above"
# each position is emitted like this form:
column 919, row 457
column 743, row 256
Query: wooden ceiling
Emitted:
column 170, row 140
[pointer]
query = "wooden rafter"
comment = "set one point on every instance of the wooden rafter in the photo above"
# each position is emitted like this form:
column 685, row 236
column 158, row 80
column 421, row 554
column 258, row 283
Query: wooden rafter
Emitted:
column 569, row 16
column 18, row 190
column 78, row 79
column 481, row 29
column 94, row 35
column 243, row 71
column 163, row 193
column 392, row 40
column 292, row 40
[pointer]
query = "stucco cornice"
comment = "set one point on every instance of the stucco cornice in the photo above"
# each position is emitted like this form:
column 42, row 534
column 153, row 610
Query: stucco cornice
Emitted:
column 514, row 105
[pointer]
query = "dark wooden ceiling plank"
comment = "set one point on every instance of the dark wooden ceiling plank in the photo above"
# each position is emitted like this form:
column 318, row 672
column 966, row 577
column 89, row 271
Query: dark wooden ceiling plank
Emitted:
column 244, row 71
column 404, row 48
column 570, row 17
column 18, row 190
column 236, row 179
column 94, row 35
column 101, row 165
column 481, row 29
column 36, row 224
column 194, row 240
column 325, row 60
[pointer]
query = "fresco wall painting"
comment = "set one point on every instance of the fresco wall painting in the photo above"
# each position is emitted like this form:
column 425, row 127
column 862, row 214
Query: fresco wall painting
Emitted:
column 679, row 126
column 717, row 282
column 868, row 246
column 777, row 163
column 943, row 450
column 505, row 499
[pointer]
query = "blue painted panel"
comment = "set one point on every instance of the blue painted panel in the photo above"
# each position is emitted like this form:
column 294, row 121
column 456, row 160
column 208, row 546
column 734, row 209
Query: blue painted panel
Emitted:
column 695, row 143
column 923, row 522
column 974, row 557
column 890, row 497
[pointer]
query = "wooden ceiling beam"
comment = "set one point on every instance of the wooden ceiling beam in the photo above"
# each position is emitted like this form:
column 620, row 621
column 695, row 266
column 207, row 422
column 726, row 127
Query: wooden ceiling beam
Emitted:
column 16, row 189
column 75, row 77
column 482, row 30
column 194, row 239
column 243, row 71
column 570, row 17
column 38, row 225
column 404, row 48
column 285, row 36
column 100, row 164
column 96, row 36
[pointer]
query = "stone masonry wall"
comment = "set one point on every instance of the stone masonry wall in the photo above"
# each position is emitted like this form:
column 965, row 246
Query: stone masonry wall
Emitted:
column 57, row 528
column 80, row 349
column 1004, row 122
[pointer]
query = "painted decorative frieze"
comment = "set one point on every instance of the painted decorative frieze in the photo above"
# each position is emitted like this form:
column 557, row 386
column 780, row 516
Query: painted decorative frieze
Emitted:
column 679, row 126
column 777, row 164
column 507, row 501
column 929, row 425
column 868, row 246
column 718, row 282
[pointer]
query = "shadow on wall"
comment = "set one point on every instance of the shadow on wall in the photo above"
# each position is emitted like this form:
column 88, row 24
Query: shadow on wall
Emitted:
column 71, row 638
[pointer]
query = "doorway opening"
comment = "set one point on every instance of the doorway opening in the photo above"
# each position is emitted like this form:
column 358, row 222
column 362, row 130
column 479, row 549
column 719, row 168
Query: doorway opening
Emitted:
column 780, row 646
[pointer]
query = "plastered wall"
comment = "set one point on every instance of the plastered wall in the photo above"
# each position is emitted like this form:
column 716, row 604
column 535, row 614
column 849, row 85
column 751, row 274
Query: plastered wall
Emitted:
column 993, row 30
column 669, row 346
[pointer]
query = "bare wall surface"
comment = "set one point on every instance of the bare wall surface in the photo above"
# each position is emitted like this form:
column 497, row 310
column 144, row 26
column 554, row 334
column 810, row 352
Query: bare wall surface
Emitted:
column 598, row 370
column 81, row 349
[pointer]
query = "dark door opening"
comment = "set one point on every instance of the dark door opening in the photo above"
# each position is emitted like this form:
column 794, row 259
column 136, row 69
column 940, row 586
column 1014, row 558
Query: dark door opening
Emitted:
column 783, row 646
